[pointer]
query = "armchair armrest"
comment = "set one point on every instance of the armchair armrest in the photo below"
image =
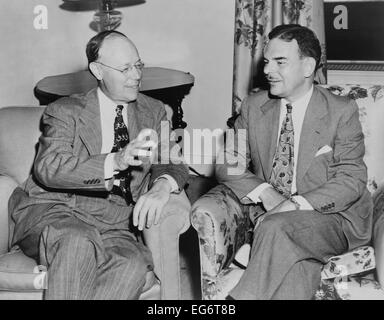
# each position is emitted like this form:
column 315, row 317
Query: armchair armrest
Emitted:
column 353, row 262
column 222, row 226
column 7, row 185
column 163, row 241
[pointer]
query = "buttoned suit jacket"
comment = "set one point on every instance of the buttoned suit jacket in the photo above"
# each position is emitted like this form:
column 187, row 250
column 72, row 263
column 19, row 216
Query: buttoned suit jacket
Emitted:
column 68, row 171
column 333, row 182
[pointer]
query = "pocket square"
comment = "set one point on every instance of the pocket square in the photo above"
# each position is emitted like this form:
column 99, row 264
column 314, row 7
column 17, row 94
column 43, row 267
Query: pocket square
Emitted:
column 323, row 150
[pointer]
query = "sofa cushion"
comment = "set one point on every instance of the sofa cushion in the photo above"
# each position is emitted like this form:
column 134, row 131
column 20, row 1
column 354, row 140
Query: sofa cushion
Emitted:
column 21, row 273
column 359, row 288
column 370, row 100
column 21, row 295
column 17, row 154
column 359, row 260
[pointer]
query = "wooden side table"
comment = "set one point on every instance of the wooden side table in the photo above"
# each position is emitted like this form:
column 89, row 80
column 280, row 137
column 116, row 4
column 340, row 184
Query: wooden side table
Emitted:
column 167, row 85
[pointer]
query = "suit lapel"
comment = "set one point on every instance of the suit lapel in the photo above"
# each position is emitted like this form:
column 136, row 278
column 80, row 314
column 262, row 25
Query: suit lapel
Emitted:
column 268, row 122
column 139, row 117
column 132, row 117
column 314, row 128
column 90, row 129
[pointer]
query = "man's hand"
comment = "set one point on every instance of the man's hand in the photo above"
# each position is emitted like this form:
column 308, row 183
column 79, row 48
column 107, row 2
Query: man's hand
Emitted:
column 139, row 147
column 150, row 205
column 271, row 198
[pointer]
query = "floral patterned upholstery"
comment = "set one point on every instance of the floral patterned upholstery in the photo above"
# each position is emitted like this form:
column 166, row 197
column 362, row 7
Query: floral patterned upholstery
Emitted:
column 223, row 224
column 356, row 261
column 353, row 287
column 370, row 99
column 342, row 273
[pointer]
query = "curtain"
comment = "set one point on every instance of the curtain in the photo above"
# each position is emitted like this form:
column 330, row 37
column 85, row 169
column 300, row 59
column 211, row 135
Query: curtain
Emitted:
column 253, row 21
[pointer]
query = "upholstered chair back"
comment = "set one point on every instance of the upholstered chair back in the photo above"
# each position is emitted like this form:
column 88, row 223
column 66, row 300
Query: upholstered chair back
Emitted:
column 19, row 134
column 370, row 100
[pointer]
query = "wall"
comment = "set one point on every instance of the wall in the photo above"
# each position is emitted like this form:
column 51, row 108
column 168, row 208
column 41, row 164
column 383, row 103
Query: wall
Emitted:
column 189, row 35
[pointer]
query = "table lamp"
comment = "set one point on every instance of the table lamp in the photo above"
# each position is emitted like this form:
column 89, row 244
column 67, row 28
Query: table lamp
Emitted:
column 105, row 17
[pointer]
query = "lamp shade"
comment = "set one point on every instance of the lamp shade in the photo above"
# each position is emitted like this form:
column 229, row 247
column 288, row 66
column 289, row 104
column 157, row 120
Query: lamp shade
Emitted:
column 105, row 17
column 88, row 5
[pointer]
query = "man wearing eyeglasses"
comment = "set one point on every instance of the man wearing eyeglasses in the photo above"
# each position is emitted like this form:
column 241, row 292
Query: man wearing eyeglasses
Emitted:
column 99, row 179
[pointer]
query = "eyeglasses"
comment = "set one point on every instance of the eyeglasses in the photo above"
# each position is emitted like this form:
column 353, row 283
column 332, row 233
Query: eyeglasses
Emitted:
column 139, row 66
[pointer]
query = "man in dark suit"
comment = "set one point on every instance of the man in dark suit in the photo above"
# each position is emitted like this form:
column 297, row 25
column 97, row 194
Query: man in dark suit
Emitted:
column 302, row 166
column 100, row 177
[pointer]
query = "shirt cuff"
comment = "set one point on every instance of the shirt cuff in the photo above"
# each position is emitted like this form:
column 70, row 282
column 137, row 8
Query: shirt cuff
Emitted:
column 108, row 166
column 304, row 204
column 254, row 195
column 171, row 180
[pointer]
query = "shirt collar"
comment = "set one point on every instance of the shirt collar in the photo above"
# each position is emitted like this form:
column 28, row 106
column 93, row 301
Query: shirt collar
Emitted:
column 302, row 101
column 107, row 103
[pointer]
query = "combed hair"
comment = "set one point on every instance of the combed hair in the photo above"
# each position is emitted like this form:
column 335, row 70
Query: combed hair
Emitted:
column 94, row 44
column 309, row 44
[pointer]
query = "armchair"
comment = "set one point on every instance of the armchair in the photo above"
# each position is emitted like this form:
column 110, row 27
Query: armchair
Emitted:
column 20, row 276
column 222, row 223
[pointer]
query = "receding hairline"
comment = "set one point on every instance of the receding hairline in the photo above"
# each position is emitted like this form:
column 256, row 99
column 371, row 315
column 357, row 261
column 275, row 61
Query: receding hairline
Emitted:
column 114, row 36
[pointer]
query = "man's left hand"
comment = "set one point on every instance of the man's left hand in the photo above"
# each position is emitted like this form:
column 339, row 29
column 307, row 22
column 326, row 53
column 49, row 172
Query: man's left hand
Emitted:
column 150, row 205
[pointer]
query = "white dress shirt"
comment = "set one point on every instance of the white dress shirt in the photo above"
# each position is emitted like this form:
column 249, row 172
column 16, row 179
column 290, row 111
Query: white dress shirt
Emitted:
column 107, row 118
column 299, row 107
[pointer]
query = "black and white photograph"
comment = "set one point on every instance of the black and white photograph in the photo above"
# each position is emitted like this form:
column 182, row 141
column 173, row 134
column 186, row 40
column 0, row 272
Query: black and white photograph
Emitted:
column 192, row 154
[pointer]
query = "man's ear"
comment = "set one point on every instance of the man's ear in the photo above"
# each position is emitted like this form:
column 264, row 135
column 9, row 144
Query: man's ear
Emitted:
column 309, row 66
column 96, row 70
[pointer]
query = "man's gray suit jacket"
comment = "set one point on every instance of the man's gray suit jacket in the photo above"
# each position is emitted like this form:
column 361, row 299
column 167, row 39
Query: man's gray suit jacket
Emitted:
column 68, row 171
column 333, row 182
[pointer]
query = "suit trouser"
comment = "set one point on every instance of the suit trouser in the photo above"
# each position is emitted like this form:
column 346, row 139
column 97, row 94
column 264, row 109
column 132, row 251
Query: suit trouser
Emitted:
column 287, row 254
column 86, row 262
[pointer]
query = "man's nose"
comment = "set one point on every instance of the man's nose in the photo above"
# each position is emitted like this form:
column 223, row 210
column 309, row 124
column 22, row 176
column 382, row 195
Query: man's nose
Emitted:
column 267, row 68
column 135, row 73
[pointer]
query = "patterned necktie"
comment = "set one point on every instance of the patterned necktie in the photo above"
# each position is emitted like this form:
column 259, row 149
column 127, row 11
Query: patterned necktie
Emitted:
column 282, row 167
column 121, row 139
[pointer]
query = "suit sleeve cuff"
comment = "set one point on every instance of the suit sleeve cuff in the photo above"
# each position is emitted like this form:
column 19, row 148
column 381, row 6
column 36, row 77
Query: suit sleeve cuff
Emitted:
column 304, row 204
column 171, row 180
column 254, row 195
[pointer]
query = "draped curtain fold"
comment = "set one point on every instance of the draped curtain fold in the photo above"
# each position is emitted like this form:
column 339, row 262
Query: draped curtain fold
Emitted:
column 254, row 19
